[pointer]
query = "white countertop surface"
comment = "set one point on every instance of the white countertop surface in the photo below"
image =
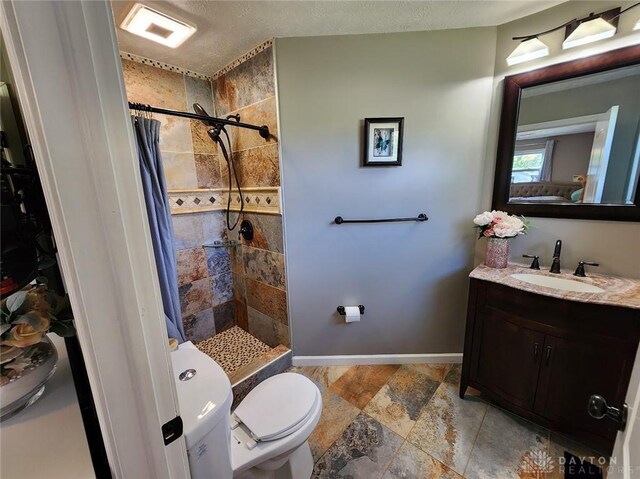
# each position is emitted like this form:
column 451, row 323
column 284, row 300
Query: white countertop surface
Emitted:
column 47, row 440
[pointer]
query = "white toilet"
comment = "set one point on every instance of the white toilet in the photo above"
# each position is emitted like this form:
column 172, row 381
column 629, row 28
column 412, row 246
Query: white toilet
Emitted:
column 265, row 437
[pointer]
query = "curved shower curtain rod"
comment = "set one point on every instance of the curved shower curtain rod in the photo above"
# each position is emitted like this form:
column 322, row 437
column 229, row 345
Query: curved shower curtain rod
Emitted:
column 262, row 130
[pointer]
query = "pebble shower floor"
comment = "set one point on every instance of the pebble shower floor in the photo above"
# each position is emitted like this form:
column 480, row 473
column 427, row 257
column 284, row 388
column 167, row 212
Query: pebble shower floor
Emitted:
column 233, row 348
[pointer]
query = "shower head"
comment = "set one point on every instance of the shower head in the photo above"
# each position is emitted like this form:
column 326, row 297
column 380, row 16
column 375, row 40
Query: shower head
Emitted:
column 197, row 107
column 216, row 128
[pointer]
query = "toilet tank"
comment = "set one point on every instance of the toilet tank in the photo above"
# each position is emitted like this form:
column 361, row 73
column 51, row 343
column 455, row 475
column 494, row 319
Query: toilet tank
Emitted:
column 204, row 398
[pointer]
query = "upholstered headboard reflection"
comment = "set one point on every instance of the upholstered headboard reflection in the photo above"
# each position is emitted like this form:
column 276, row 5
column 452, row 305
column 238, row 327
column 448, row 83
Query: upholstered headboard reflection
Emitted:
column 543, row 188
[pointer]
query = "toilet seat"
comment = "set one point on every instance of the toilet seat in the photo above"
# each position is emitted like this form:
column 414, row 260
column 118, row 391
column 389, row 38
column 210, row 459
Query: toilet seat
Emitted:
column 277, row 407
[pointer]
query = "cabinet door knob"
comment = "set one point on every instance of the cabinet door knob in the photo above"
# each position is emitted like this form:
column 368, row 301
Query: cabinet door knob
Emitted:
column 536, row 349
column 598, row 408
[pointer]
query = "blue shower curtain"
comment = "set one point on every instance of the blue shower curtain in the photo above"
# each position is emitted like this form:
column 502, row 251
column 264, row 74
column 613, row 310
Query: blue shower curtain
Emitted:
column 147, row 133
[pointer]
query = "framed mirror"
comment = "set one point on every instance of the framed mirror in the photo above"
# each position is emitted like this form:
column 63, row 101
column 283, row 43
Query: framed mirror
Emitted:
column 569, row 143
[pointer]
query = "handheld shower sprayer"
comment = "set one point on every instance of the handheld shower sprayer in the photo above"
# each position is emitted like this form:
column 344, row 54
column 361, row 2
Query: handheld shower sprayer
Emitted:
column 214, row 131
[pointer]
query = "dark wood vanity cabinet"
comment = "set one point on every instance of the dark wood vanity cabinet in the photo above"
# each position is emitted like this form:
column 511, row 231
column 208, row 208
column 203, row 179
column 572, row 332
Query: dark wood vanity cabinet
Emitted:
column 542, row 357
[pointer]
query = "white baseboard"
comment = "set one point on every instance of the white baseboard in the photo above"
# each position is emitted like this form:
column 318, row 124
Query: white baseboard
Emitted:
column 364, row 359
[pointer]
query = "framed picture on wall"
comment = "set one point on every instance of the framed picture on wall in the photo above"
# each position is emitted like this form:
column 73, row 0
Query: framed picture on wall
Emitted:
column 383, row 141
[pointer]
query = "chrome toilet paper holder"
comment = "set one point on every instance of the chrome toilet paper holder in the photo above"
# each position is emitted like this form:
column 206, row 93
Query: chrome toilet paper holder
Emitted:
column 341, row 309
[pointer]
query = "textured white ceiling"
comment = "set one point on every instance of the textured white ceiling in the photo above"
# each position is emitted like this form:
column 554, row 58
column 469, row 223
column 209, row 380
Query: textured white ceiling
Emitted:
column 228, row 29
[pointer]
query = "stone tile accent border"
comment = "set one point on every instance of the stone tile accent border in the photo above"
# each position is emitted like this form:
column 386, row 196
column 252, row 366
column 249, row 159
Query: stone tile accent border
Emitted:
column 257, row 200
column 164, row 66
column 240, row 60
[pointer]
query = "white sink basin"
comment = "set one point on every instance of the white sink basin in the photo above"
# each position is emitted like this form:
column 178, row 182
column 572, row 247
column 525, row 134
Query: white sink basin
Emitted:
column 557, row 283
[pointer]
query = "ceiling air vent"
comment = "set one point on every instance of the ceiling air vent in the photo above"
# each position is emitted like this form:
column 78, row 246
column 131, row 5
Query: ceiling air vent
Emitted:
column 154, row 25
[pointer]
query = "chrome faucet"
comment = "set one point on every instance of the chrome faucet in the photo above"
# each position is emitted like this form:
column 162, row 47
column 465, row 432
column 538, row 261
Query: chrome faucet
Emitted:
column 555, row 266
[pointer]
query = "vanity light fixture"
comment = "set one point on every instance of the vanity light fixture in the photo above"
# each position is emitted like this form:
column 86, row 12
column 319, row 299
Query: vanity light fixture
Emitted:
column 579, row 31
column 529, row 49
column 154, row 25
column 589, row 30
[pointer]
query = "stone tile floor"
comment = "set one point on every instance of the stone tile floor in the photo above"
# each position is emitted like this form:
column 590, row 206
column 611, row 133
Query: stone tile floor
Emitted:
column 407, row 421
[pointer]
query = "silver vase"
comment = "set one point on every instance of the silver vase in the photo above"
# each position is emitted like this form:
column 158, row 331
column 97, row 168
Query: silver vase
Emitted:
column 23, row 378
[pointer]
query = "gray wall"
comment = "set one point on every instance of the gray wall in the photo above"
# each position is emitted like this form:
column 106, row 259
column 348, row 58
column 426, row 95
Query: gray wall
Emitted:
column 411, row 277
column 613, row 244
column 571, row 155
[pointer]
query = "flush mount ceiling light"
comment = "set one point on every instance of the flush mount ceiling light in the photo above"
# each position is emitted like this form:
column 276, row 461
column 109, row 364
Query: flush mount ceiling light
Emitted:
column 637, row 25
column 154, row 25
column 588, row 31
column 528, row 50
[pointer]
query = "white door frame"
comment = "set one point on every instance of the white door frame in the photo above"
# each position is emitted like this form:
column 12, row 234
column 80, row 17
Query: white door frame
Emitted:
column 600, row 153
column 626, row 450
column 68, row 76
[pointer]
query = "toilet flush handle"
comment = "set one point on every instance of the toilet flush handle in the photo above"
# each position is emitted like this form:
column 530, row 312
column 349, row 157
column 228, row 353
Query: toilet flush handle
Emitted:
column 187, row 374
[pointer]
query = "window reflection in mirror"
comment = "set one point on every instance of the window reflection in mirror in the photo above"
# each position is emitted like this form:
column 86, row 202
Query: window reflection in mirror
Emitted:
column 577, row 141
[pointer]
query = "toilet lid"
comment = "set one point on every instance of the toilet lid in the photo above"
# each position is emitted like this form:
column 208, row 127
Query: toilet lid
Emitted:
column 278, row 406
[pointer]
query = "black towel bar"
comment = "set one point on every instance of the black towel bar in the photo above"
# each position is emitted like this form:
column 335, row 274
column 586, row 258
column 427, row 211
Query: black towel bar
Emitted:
column 340, row 220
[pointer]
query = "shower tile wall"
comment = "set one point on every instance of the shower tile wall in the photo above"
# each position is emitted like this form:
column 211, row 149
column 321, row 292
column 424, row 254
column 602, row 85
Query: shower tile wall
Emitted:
column 190, row 161
column 258, row 267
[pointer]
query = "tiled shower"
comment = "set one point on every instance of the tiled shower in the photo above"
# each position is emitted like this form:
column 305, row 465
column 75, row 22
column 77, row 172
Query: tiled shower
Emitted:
column 232, row 292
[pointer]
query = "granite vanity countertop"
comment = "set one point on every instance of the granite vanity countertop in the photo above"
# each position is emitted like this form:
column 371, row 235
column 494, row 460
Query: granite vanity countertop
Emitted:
column 622, row 292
